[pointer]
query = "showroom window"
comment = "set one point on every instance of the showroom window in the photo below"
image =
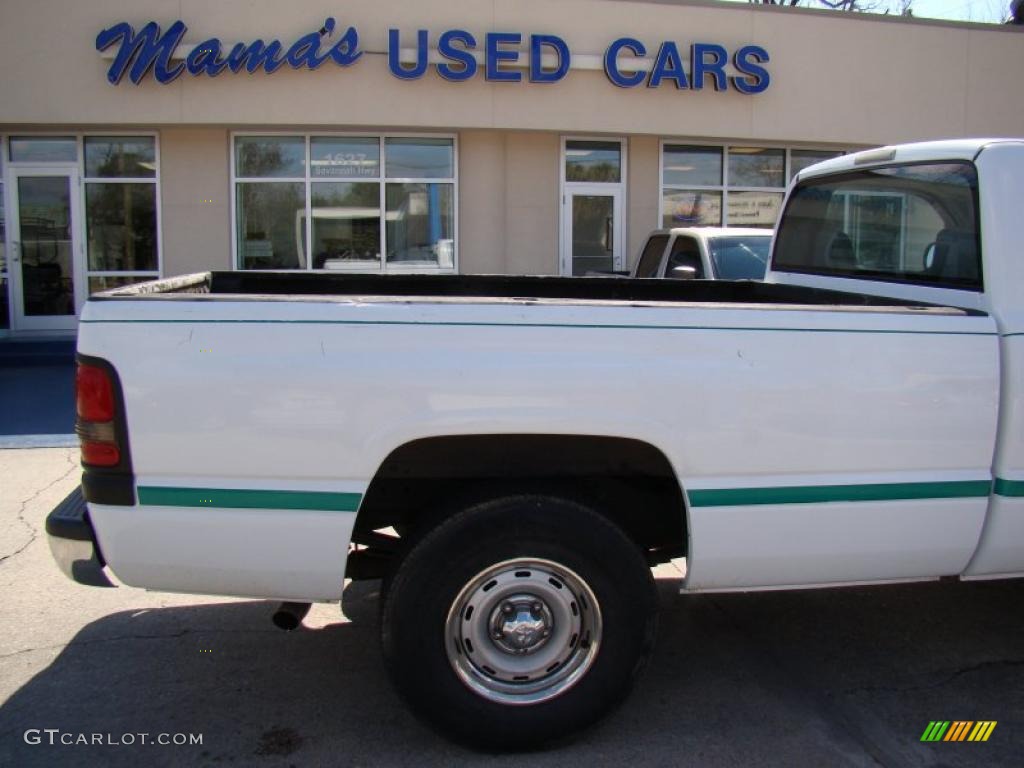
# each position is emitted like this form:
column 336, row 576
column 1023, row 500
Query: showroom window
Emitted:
column 731, row 185
column 78, row 214
column 345, row 202
column 120, row 183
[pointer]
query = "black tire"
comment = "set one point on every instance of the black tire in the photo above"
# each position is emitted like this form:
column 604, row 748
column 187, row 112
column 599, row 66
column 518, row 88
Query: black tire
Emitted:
column 561, row 543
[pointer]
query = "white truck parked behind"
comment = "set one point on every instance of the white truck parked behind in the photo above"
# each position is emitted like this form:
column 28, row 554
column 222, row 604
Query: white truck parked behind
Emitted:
column 705, row 253
column 511, row 455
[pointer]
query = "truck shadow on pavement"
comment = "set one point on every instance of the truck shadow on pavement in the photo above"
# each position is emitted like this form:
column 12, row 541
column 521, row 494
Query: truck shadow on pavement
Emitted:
column 843, row 677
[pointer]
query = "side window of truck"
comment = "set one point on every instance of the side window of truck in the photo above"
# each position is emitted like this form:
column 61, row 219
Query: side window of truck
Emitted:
column 911, row 223
column 650, row 258
column 685, row 255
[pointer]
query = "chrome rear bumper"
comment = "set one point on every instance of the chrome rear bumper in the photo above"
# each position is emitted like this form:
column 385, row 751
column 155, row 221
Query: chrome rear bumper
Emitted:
column 73, row 542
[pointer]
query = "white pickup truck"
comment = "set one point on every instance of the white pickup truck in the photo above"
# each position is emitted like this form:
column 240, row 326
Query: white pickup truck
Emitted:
column 511, row 454
column 705, row 253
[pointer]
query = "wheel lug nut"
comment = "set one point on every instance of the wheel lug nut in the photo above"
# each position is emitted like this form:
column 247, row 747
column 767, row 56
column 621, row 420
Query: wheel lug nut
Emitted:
column 507, row 608
column 498, row 635
column 545, row 633
column 536, row 607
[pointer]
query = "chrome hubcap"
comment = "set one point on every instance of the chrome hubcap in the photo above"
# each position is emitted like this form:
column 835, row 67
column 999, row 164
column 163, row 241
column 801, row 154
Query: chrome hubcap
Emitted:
column 521, row 624
column 523, row 631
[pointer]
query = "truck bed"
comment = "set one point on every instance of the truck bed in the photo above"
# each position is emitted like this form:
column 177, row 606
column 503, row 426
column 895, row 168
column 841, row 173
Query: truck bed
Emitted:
column 504, row 288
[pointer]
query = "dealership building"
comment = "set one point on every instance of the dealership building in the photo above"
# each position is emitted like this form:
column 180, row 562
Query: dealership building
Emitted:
column 457, row 136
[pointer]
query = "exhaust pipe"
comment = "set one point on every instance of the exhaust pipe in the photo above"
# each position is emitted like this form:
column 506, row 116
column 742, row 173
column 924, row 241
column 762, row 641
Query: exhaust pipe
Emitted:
column 289, row 616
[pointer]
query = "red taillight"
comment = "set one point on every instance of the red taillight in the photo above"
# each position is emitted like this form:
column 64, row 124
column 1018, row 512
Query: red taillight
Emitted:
column 100, row 454
column 94, row 401
column 94, row 394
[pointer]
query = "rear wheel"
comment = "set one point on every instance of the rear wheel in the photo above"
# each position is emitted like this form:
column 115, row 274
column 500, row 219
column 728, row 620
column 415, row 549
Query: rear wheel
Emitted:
column 519, row 621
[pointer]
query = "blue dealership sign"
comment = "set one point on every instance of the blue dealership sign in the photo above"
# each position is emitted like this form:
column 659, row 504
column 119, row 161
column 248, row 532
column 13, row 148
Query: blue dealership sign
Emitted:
column 460, row 57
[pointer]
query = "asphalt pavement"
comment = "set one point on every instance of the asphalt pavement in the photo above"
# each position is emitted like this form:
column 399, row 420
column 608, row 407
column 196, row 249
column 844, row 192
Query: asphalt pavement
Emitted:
column 848, row 677
column 37, row 394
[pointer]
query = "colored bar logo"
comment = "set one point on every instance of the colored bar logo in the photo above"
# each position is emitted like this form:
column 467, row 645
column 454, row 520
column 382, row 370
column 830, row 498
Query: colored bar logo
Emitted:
column 958, row 730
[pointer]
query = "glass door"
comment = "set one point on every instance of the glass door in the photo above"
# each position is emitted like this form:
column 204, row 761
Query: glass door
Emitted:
column 592, row 230
column 46, row 252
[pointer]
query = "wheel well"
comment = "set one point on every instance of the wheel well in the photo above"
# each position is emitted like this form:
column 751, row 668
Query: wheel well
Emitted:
column 425, row 481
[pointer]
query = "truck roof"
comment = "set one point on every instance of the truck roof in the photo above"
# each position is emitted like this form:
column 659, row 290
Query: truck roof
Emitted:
column 715, row 231
column 952, row 149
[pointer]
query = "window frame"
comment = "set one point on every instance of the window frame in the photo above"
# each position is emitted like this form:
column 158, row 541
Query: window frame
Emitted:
column 81, row 227
column 158, row 202
column 381, row 179
column 903, row 278
column 725, row 188
column 619, row 189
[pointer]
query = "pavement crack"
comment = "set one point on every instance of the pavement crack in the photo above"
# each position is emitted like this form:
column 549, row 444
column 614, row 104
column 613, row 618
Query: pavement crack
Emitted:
column 20, row 515
column 951, row 677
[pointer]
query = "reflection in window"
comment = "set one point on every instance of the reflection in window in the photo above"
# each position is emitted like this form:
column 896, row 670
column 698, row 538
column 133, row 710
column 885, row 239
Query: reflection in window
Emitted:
column 44, row 149
column 419, row 158
column 420, row 224
column 270, row 156
column 346, row 225
column 121, row 227
column 270, row 228
column 593, row 233
column 915, row 224
column 47, row 260
column 732, row 186
column 120, row 156
column 691, row 209
column 740, row 257
column 374, row 203
column 754, row 209
column 120, row 210
column 692, row 166
column 593, row 161
column 755, row 167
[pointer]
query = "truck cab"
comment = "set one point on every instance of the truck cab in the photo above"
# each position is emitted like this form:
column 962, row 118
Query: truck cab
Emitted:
column 934, row 222
column 705, row 253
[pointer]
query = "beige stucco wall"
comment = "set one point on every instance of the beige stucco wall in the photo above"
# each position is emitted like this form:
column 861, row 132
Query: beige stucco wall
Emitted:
column 836, row 78
column 508, row 202
column 642, row 186
column 196, row 199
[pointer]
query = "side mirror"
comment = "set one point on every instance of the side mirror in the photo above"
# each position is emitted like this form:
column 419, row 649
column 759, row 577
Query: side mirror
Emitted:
column 683, row 273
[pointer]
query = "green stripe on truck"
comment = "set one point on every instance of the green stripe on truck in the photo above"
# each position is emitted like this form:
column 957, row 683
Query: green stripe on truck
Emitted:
column 232, row 498
column 816, row 494
column 1009, row 487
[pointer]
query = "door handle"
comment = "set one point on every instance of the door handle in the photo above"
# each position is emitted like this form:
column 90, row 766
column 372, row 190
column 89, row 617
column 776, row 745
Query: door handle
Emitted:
column 15, row 251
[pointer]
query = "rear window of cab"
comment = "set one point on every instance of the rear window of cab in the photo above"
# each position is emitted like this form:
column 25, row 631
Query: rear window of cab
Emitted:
column 915, row 223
